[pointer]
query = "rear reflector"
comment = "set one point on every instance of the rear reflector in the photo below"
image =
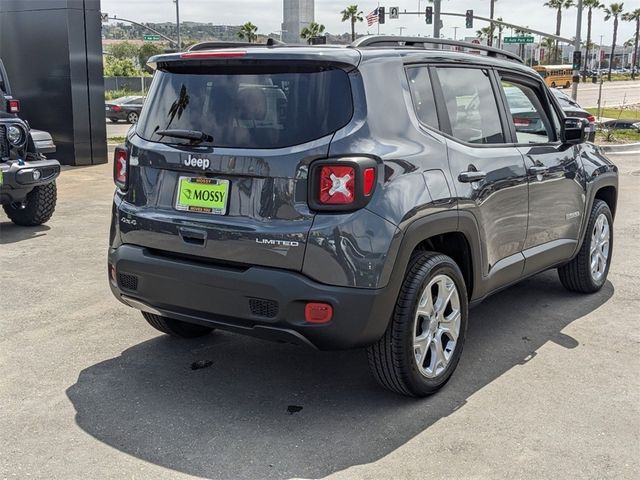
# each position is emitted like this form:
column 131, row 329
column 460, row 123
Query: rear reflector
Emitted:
column 369, row 180
column 337, row 185
column 318, row 312
column 13, row 106
column 219, row 54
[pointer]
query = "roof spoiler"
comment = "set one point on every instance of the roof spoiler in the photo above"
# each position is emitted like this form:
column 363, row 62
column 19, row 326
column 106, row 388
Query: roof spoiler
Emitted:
column 385, row 41
column 271, row 42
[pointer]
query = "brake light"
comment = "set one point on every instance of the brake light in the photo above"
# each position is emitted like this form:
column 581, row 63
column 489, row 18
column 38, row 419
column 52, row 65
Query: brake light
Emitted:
column 344, row 183
column 337, row 185
column 121, row 167
column 13, row 106
column 591, row 118
column 521, row 122
column 204, row 54
column 116, row 108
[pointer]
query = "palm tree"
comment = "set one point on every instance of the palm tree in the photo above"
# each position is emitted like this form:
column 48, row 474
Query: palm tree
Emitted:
column 614, row 10
column 548, row 44
column 518, row 33
column 590, row 5
column 248, row 32
column 484, row 32
column 558, row 5
column 352, row 14
column 313, row 30
column 500, row 29
column 634, row 16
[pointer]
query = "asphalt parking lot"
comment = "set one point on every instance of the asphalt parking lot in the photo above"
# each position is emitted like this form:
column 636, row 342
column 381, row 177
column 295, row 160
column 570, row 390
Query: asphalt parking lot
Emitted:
column 548, row 385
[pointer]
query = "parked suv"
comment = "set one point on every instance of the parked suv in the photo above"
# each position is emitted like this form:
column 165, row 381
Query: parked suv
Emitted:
column 27, row 179
column 360, row 196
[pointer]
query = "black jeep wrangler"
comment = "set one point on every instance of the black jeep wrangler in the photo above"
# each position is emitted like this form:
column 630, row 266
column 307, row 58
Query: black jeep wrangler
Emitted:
column 363, row 196
column 27, row 178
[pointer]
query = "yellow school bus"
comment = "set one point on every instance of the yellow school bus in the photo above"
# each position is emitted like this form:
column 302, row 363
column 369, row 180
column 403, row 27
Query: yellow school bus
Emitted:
column 556, row 75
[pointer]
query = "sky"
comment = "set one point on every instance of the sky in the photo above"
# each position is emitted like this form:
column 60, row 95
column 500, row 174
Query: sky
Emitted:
column 267, row 15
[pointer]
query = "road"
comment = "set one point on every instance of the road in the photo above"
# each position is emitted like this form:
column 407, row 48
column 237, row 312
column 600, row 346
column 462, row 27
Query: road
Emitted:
column 613, row 94
column 548, row 385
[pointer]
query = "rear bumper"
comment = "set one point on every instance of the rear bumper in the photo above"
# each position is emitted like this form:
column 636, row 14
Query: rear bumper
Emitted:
column 259, row 301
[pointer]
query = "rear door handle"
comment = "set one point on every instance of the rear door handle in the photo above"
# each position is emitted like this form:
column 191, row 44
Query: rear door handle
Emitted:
column 538, row 170
column 471, row 176
column 193, row 236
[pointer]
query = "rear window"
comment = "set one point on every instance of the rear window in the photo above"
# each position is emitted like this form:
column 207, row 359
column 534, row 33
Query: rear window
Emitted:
column 248, row 108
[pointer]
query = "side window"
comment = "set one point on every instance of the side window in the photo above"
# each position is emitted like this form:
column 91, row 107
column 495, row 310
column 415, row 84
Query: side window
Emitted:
column 471, row 105
column 527, row 113
column 422, row 95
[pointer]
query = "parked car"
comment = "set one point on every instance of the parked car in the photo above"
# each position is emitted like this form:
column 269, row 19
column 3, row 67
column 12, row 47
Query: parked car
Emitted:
column 571, row 108
column 622, row 125
column 353, row 198
column 124, row 108
column 27, row 179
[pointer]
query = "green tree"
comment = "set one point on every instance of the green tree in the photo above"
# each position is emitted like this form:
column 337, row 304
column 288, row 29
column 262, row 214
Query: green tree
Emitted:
column 122, row 50
column 119, row 67
column 548, row 45
column 313, row 30
column 613, row 11
column 147, row 51
column 248, row 32
column 590, row 5
column 558, row 5
column 634, row 16
column 353, row 15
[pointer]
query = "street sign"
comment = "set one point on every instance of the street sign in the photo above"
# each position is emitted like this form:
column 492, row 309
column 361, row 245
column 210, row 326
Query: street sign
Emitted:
column 104, row 17
column 151, row 38
column 521, row 39
column 394, row 13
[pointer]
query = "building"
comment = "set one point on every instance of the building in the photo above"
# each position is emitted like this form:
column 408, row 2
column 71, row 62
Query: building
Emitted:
column 297, row 14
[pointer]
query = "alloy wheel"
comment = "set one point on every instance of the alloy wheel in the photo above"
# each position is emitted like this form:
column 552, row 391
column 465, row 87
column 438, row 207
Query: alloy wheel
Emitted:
column 599, row 249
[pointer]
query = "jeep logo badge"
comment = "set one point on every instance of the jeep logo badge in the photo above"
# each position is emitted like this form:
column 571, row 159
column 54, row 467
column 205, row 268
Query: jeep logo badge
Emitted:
column 191, row 161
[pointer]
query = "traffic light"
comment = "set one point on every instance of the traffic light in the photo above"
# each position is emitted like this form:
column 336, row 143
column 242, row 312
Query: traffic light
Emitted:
column 380, row 15
column 428, row 15
column 469, row 18
column 577, row 59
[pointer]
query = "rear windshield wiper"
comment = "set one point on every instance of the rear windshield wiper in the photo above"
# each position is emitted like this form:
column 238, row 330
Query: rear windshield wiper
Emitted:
column 194, row 135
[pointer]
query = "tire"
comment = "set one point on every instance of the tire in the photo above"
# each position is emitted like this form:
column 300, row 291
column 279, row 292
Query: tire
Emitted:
column 176, row 328
column 114, row 120
column 567, row 85
column 132, row 117
column 553, row 84
column 37, row 208
column 394, row 360
column 578, row 275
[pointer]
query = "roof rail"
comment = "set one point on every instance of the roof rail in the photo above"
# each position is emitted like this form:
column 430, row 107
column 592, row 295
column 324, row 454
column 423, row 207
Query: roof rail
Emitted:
column 214, row 45
column 391, row 41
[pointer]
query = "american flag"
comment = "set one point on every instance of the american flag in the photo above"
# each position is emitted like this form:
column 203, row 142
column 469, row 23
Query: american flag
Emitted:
column 372, row 17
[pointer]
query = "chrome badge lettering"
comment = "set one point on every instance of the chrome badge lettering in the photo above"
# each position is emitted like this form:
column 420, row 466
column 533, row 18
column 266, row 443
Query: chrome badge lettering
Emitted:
column 278, row 243
column 192, row 161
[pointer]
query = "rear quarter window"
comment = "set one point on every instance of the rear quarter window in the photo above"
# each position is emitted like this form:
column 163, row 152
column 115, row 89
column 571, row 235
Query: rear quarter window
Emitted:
column 248, row 108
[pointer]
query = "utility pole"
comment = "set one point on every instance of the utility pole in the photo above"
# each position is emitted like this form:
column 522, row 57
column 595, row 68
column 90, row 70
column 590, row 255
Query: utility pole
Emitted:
column 178, row 23
column 600, row 55
column 436, row 18
column 576, row 71
column 455, row 32
column 401, row 29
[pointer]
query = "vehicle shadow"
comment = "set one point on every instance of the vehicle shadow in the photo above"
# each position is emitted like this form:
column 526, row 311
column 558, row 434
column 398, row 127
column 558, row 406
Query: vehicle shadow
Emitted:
column 11, row 233
column 238, row 417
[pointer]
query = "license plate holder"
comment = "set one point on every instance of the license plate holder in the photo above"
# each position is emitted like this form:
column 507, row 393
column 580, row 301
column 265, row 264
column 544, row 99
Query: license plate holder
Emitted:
column 203, row 195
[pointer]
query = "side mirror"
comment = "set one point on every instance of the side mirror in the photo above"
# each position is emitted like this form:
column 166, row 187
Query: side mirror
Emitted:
column 574, row 130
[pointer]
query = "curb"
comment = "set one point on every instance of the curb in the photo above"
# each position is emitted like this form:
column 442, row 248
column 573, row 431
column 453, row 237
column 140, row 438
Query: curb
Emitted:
column 626, row 148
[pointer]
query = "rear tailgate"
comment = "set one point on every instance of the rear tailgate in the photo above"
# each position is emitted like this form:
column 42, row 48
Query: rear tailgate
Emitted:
column 267, row 119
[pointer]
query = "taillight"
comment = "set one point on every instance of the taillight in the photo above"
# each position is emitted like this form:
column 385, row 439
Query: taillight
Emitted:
column 13, row 106
column 121, row 167
column 345, row 183
column 591, row 118
column 116, row 108
column 521, row 122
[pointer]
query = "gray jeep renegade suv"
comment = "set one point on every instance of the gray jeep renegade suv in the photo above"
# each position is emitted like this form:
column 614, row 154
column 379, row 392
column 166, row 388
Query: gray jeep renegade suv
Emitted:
column 360, row 196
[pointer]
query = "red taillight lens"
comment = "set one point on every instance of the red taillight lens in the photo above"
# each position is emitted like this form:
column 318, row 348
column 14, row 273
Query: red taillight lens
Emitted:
column 121, row 167
column 591, row 119
column 116, row 108
column 13, row 106
column 318, row 312
column 369, row 180
column 207, row 54
column 521, row 122
column 337, row 185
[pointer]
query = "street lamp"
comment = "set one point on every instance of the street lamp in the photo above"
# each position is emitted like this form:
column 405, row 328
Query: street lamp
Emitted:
column 177, row 2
